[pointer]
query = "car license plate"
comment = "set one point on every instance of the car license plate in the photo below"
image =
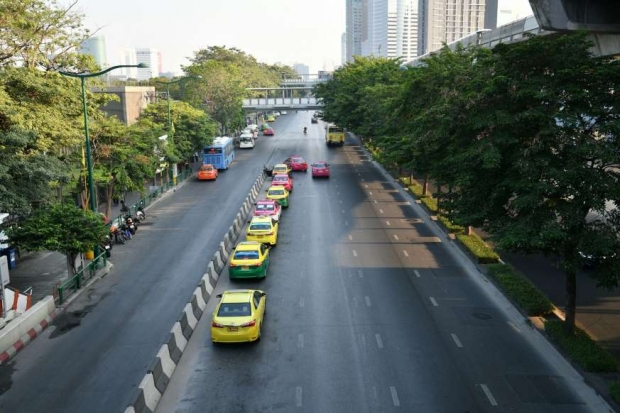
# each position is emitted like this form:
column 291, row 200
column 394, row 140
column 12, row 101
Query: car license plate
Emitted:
column 245, row 268
column 259, row 236
column 231, row 329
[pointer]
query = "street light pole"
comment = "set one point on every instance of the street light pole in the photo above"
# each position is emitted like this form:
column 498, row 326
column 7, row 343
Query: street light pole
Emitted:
column 173, row 170
column 89, row 161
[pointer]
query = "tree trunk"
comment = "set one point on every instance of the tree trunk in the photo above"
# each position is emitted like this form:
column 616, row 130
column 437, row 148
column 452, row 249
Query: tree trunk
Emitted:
column 571, row 298
column 71, row 268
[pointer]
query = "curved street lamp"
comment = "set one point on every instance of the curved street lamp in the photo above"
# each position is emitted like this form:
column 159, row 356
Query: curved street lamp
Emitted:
column 83, row 76
column 173, row 170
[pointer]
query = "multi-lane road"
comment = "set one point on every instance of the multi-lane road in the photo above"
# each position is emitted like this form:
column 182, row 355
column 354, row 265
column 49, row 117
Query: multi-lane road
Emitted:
column 370, row 309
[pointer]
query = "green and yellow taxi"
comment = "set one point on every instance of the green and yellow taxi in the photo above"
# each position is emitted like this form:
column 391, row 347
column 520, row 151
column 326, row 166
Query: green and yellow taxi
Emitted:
column 249, row 259
column 271, row 118
column 281, row 169
column 238, row 316
column 263, row 230
column 278, row 194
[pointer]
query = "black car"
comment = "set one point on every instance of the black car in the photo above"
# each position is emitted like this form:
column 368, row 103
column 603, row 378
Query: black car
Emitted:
column 315, row 120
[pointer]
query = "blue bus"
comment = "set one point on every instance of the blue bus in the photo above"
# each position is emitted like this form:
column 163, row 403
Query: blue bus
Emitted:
column 220, row 153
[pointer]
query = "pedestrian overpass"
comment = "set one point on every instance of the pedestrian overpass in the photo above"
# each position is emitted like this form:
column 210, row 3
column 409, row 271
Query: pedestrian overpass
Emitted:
column 281, row 98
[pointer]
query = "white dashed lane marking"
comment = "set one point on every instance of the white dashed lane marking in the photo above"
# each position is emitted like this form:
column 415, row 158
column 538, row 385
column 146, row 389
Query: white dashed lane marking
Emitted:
column 380, row 210
column 298, row 396
column 396, row 237
column 350, row 237
column 302, row 302
column 354, row 253
column 489, row 395
column 405, row 253
column 368, row 303
column 388, row 223
column 456, row 340
column 300, row 341
column 395, row 399
column 434, row 301
column 379, row 341
column 360, row 273
column 417, row 273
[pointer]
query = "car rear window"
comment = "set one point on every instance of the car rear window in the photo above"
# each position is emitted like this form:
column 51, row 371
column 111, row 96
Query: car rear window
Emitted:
column 206, row 168
column 246, row 255
column 264, row 207
column 276, row 192
column 260, row 227
column 280, row 179
column 234, row 310
column 320, row 165
column 298, row 160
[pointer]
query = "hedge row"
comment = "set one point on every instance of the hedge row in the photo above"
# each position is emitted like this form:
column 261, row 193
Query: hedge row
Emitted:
column 521, row 290
column 481, row 251
column 581, row 348
column 450, row 226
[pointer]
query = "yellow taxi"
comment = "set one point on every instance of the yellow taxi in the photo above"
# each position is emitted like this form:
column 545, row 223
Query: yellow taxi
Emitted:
column 238, row 316
column 281, row 169
column 207, row 172
column 271, row 118
column 263, row 230
column 249, row 259
column 278, row 194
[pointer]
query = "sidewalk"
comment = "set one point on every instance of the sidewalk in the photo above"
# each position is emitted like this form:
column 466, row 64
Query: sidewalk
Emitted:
column 43, row 270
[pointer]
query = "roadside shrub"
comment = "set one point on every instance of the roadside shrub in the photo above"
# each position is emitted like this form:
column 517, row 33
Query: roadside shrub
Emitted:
column 481, row 251
column 405, row 180
column 431, row 203
column 614, row 391
column 581, row 349
column 521, row 290
column 450, row 226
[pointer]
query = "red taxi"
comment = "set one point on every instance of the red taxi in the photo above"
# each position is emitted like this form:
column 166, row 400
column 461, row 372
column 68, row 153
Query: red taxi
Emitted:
column 296, row 163
column 283, row 180
column 320, row 169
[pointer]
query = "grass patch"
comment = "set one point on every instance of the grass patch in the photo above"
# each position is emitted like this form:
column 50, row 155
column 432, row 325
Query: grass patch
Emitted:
column 405, row 180
column 614, row 390
column 483, row 253
column 431, row 203
column 521, row 290
column 581, row 349
column 450, row 226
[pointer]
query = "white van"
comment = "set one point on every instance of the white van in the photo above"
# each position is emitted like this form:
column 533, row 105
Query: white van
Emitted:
column 247, row 141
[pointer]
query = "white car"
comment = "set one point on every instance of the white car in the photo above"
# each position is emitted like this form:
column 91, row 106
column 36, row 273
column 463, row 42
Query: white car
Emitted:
column 276, row 114
column 283, row 113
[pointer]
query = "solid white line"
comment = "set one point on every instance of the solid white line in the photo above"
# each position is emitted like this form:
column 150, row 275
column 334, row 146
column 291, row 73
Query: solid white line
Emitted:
column 379, row 341
column 489, row 395
column 350, row 237
column 434, row 301
column 368, row 301
column 417, row 273
column 388, row 222
column 298, row 396
column 302, row 302
column 380, row 210
column 394, row 396
column 300, row 341
column 396, row 237
column 456, row 340
column 354, row 253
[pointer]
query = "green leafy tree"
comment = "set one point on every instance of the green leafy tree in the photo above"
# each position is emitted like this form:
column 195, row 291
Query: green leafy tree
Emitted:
column 530, row 144
column 25, row 174
column 40, row 34
column 60, row 227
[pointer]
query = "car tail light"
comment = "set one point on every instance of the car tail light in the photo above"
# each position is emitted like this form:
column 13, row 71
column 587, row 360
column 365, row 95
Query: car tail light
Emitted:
column 216, row 325
column 230, row 264
column 269, row 233
column 249, row 324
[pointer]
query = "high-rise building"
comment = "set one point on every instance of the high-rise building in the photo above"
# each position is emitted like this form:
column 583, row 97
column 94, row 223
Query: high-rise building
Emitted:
column 511, row 10
column 356, row 27
column 301, row 69
column 392, row 29
column 343, row 49
column 128, row 57
column 444, row 21
column 95, row 46
column 149, row 57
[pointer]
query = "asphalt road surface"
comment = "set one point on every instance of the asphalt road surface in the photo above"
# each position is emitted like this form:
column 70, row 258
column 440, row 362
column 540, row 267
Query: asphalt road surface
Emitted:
column 371, row 309
column 97, row 354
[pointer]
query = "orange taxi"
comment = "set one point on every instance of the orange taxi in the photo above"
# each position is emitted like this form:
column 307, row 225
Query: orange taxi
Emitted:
column 207, row 172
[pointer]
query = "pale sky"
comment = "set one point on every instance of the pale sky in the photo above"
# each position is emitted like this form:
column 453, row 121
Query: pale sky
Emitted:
column 285, row 31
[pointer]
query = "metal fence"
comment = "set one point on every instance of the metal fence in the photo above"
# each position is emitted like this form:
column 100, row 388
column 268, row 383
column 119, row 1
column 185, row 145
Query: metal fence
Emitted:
column 76, row 282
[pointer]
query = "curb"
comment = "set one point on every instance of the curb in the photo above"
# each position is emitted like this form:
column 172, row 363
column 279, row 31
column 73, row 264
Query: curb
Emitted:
column 150, row 390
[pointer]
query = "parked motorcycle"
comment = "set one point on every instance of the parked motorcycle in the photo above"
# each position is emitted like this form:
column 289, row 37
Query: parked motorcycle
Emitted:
column 131, row 225
column 119, row 236
column 106, row 245
column 140, row 214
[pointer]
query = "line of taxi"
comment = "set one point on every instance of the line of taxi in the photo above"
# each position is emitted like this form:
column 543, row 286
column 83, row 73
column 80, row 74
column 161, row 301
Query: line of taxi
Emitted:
column 239, row 315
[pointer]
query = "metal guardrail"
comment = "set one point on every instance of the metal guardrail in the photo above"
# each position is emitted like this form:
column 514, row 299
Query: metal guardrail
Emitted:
column 70, row 286
column 74, row 283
